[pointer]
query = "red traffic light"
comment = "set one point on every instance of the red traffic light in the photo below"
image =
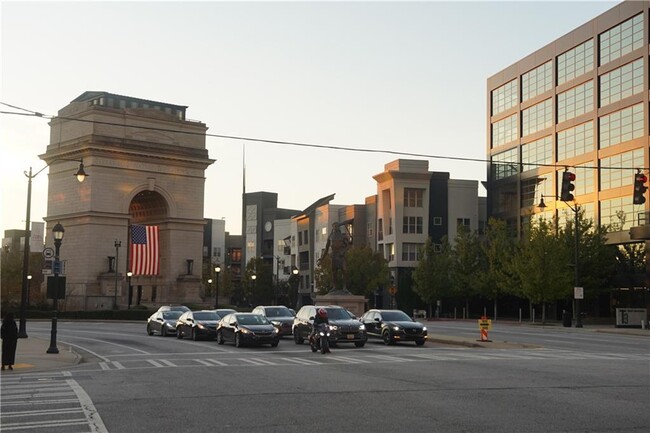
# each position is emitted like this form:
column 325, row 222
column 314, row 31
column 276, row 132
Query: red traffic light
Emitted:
column 640, row 177
column 570, row 176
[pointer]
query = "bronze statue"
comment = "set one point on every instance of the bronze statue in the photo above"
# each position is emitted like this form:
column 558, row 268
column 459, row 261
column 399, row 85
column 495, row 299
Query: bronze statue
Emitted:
column 339, row 242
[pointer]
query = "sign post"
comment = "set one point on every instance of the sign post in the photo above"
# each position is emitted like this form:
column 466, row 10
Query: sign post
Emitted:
column 484, row 324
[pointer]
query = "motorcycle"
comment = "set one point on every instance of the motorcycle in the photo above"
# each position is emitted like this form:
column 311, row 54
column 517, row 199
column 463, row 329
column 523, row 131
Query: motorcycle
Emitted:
column 319, row 340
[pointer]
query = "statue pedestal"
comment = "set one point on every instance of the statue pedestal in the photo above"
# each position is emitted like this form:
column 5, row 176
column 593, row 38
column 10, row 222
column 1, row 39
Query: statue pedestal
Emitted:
column 355, row 303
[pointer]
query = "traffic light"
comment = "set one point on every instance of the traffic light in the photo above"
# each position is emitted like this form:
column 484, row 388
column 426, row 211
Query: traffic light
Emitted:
column 640, row 180
column 567, row 186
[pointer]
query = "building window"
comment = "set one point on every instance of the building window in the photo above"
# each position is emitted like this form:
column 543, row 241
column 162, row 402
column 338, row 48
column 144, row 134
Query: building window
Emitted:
column 305, row 237
column 369, row 229
column 575, row 62
column 575, row 102
column 413, row 197
column 462, row 223
column 532, row 190
column 537, row 81
column 621, row 83
column 437, row 221
column 299, row 238
column 584, row 182
column 390, row 225
column 412, row 224
column 505, row 164
column 575, row 141
column 505, row 97
column 504, row 131
column 539, row 152
column 390, row 249
column 411, row 252
column 617, row 212
column 618, row 177
column 537, row 118
column 380, row 229
column 621, row 126
column 621, row 40
column 154, row 293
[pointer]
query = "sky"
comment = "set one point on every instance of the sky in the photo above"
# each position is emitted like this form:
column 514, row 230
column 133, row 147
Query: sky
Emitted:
column 390, row 76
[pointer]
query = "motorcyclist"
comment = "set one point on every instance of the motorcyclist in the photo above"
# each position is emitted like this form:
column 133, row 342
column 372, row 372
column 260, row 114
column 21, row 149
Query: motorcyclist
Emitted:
column 319, row 319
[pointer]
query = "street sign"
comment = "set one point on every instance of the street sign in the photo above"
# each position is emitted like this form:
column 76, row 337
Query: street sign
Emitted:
column 484, row 323
column 578, row 292
column 48, row 253
column 47, row 267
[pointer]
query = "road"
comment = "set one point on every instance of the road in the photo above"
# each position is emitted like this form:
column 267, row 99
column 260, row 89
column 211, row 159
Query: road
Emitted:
column 568, row 381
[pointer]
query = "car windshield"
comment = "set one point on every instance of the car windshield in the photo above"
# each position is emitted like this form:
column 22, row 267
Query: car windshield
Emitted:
column 252, row 319
column 395, row 316
column 171, row 315
column 337, row 314
column 278, row 312
column 206, row 315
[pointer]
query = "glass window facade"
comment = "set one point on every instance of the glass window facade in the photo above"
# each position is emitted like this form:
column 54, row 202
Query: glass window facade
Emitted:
column 622, row 39
column 537, row 118
column 575, row 102
column 617, row 212
column 505, row 164
column 504, row 131
column 539, row 152
column 537, row 81
column 505, row 97
column 612, row 173
column 621, row 83
column 575, row 62
column 584, row 182
column 621, row 126
column 575, row 141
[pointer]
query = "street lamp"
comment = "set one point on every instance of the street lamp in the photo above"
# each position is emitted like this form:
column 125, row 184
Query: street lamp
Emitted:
column 250, row 298
column 128, row 277
column 296, row 282
column 58, row 233
column 217, row 271
column 576, row 276
column 210, row 285
column 81, row 176
column 29, row 286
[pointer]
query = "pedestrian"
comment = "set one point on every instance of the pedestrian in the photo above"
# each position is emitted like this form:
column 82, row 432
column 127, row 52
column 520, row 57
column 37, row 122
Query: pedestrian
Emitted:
column 9, row 334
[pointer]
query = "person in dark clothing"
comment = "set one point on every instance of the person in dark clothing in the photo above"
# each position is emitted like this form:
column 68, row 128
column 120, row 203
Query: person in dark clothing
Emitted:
column 320, row 319
column 9, row 334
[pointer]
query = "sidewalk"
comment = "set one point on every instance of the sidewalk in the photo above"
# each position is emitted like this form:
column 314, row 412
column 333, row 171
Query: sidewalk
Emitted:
column 32, row 356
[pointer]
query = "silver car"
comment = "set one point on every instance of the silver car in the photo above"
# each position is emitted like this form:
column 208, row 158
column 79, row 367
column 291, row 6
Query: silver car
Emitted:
column 163, row 322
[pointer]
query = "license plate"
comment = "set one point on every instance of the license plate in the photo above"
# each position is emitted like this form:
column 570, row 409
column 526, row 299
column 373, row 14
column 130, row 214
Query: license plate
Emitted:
column 350, row 336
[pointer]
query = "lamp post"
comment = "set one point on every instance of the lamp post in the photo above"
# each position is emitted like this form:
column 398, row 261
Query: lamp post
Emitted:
column 58, row 233
column 130, row 294
column 250, row 298
column 296, row 281
column 29, row 287
column 118, row 244
column 81, row 176
column 217, row 271
column 210, row 284
column 576, row 274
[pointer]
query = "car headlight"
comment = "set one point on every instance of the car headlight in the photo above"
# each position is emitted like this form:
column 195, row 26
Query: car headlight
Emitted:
column 170, row 325
column 333, row 328
column 396, row 328
column 245, row 331
column 424, row 328
column 276, row 323
column 362, row 327
column 200, row 326
column 275, row 330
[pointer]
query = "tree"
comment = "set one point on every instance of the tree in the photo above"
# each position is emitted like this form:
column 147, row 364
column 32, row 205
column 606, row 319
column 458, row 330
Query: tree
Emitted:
column 540, row 263
column 467, row 265
column 258, row 291
column 432, row 274
column 498, row 249
column 366, row 271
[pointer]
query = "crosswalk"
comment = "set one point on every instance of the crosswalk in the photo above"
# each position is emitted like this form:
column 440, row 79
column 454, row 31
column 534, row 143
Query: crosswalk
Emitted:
column 358, row 357
column 47, row 403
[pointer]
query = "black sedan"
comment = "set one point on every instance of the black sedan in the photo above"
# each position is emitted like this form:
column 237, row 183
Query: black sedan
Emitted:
column 247, row 328
column 197, row 324
column 392, row 326
column 279, row 315
column 163, row 322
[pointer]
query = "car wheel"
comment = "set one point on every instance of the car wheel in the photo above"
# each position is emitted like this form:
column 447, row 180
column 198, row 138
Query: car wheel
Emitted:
column 163, row 331
column 388, row 339
column 179, row 334
column 420, row 342
column 220, row 339
column 238, row 340
column 275, row 342
column 297, row 338
column 149, row 330
column 359, row 343
column 194, row 335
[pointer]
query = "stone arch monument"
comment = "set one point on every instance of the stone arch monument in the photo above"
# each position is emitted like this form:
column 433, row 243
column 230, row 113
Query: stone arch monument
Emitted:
column 146, row 166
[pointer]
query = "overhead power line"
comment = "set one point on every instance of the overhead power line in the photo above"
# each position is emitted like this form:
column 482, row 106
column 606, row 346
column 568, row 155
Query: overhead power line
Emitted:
column 308, row 145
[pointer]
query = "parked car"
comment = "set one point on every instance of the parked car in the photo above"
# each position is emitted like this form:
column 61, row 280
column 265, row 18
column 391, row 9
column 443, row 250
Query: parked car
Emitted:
column 343, row 328
column 197, row 324
column 392, row 326
column 223, row 312
column 279, row 315
column 247, row 328
column 163, row 322
column 181, row 308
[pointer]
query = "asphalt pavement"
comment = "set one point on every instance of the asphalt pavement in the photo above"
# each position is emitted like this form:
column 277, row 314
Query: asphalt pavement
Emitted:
column 32, row 356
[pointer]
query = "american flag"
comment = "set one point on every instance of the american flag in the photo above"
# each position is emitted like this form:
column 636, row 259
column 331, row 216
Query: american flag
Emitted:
column 145, row 248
